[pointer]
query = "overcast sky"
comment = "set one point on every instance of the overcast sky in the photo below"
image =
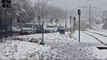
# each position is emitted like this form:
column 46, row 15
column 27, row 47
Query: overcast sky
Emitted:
column 75, row 4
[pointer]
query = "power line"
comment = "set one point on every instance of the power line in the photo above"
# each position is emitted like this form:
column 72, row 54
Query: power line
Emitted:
column 86, row 2
column 90, row 13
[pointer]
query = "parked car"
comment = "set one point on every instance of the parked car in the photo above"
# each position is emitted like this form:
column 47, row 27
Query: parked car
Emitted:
column 50, row 28
column 60, row 28
column 39, row 28
column 15, row 29
column 28, row 28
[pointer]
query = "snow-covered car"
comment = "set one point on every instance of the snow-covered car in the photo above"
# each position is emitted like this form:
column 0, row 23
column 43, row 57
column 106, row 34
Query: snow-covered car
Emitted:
column 50, row 28
column 28, row 28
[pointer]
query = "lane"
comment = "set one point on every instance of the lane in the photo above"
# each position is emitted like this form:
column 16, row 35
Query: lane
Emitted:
column 96, row 38
column 103, row 33
column 85, row 38
column 101, row 37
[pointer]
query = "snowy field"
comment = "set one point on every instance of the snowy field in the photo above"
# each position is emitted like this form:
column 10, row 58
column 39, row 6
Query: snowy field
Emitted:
column 57, row 46
column 48, row 37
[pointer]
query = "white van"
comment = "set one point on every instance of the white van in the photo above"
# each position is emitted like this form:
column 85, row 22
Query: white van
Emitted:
column 28, row 28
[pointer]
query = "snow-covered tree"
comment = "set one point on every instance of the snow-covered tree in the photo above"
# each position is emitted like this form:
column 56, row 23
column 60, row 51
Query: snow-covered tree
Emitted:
column 22, row 11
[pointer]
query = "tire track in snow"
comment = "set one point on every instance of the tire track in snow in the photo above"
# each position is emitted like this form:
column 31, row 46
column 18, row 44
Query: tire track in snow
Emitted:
column 96, row 38
column 98, row 33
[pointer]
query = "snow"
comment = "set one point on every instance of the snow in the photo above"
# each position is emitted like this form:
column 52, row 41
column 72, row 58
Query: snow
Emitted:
column 102, row 38
column 20, row 50
column 100, row 32
column 97, row 25
column 57, row 46
column 77, row 51
column 101, row 54
column 48, row 37
column 85, row 38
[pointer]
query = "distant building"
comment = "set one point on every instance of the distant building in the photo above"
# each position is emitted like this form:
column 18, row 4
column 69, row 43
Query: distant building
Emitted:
column 104, row 17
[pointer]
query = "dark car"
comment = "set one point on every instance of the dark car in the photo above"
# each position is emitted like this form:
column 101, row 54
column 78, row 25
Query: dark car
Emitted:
column 61, row 29
column 39, row 28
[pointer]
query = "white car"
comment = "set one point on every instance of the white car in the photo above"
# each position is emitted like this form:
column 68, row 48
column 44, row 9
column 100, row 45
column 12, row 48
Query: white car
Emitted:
column 50, row 28
column 28, row 28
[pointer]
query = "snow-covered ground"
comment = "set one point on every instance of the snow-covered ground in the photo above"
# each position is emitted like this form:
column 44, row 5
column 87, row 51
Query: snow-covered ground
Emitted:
column 48, row 37
column 21, row 50
column 85, row 38
column 104, row 32
column 90, row 40
column 102, row 38
column 57, row 46
column 96, row 26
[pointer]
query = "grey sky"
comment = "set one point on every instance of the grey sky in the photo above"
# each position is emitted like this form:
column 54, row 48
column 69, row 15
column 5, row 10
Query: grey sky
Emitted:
column 75, row 4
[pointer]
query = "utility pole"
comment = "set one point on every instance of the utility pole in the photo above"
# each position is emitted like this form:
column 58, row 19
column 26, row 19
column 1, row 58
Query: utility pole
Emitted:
column 39, row 18
column 74, row 18
column 90, row 14
column 66, row 18
column 70, row 22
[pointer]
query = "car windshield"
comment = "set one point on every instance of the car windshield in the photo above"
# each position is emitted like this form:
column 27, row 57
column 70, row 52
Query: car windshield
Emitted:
column 28, row 25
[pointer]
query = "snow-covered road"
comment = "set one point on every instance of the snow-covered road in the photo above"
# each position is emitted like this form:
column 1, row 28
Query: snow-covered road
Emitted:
column 86, row 38
column 100, row 35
